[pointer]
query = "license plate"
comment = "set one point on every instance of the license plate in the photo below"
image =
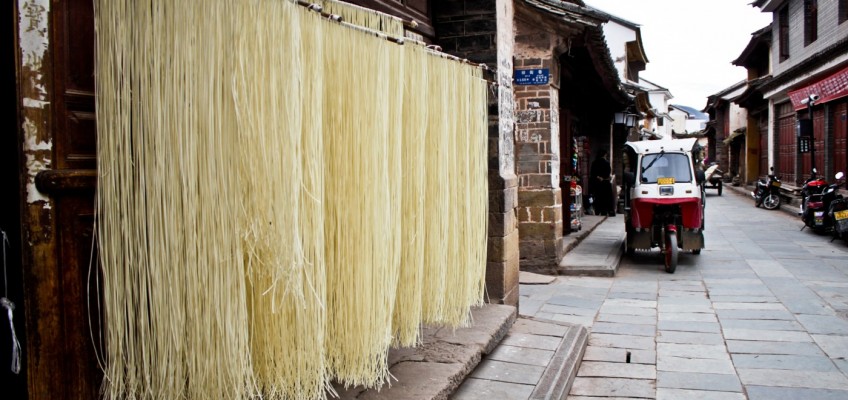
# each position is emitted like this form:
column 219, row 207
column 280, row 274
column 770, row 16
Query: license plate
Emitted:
column 840, row 215
column 665, row 181
column 775, row 184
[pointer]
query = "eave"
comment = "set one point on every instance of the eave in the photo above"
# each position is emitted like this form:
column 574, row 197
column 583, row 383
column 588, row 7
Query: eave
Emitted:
column 759, row 38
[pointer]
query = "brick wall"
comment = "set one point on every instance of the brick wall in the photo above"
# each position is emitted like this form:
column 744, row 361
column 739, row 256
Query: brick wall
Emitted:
column 537, row 148
column 482, row 31
column 830, row 31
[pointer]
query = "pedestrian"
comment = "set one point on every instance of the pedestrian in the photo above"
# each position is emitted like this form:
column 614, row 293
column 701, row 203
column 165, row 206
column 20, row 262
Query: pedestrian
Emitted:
column 600, row 186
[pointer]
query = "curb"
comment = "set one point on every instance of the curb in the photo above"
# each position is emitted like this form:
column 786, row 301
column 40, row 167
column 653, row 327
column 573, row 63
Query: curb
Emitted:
column 436, row 368
column 559, row 375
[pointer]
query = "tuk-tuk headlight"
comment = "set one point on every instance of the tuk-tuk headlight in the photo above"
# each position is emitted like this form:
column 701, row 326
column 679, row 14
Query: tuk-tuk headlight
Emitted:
column 666, row 190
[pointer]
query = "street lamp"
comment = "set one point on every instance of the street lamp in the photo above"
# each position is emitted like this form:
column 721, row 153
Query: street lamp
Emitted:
column 625, row 118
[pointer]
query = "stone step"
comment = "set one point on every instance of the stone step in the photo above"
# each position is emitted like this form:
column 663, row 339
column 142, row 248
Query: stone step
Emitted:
column 434, row 370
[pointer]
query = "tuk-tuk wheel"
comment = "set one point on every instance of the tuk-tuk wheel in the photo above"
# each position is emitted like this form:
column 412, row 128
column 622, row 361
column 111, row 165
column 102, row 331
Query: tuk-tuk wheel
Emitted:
column 696, row 251
column 670, row 252
column 719, row 188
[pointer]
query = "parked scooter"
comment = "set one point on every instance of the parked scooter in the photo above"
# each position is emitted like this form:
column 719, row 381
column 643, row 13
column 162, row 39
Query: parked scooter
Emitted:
column 767, row 192
column 813, row 185
column 816, row 206
column 838, row 213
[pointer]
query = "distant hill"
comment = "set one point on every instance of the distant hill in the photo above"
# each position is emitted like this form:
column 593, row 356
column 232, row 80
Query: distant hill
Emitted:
column 696, row 114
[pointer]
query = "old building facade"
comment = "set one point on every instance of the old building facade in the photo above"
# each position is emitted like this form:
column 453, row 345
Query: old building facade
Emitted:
column 808, row 57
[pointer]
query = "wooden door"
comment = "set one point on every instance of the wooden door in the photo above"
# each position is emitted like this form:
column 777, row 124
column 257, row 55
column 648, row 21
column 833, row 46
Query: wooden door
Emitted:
column 840, row 136
column 787, row 146
column 57, row 221
column 764, row 150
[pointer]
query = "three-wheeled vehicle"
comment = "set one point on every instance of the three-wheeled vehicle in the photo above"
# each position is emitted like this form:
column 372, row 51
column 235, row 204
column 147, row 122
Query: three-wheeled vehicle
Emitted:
column 714, row 177
column 664, row 197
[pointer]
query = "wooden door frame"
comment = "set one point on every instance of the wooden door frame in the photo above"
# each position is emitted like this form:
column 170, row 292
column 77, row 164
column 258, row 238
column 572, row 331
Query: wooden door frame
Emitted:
column 10, row 219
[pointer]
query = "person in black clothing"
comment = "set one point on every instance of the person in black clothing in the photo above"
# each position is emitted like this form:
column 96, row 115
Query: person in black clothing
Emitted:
column 600, row 186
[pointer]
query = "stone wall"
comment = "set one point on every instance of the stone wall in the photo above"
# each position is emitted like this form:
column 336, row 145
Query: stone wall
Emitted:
column 537, row 138
column 482, row 31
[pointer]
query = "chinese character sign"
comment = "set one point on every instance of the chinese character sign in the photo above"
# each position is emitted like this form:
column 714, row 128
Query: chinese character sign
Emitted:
column 537, row 76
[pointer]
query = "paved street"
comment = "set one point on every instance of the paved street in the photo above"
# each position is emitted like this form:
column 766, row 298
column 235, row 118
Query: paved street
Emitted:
column 759, row 314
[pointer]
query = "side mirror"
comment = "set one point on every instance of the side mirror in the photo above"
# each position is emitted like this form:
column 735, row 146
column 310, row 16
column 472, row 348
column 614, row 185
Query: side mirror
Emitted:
column 771, row 169
column 700, row 177
column 815, row 171
column 629, row 178
column 839, row 175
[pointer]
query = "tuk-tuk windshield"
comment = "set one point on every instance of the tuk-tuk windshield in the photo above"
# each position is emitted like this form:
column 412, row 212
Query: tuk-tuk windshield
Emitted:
column 666, row 165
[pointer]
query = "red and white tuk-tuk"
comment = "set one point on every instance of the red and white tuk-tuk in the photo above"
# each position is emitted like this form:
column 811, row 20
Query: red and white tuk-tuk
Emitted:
column 663, row 197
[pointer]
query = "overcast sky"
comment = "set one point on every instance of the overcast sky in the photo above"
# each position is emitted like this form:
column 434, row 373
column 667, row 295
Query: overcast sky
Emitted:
column 690, row 43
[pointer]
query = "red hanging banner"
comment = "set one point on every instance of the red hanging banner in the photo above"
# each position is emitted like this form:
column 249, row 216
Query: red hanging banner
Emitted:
column 830, row 88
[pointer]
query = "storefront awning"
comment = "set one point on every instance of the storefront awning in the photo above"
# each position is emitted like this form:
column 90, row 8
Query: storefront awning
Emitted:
column 830, row 88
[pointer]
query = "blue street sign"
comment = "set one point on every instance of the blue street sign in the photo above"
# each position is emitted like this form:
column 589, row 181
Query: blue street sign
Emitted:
column 536, row 76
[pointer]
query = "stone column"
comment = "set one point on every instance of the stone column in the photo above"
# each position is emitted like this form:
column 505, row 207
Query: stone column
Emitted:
column 482, row 31
column 540, row 222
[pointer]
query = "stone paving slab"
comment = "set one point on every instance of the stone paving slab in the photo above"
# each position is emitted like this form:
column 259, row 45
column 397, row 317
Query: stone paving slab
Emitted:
column 573, row 319
column 784, row 361
column 772, row 393
column 836, row 346
column 758, row 324
column 609, row 387
column 744, row 299
column 761, row 334
column 630, row 303
column 622, row 341
column 594, row 353
column 699, row 365
column 627, row 319
column 500, row 371
column 768, row 347
column 669, row 307
column 755, row 314
column 749, row 306
column 575, row 301
column 632, row 296
column 689, row 337
column 684, row 394
column 521, row 355
column 616, row 370
column 698, row 381
column 483, row 389
column 536, row 327
column 531, row 341
column 797, row 379
column 558, row 309
column 624, row 310
column 624, row 329
column 824, row 324
column 529, row 278
column 705, row 351
column 684, row 316
column 689, row 326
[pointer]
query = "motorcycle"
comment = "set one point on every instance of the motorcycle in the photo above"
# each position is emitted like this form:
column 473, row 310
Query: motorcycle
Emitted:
column 663, row 197
column 813, row 185
column 838, row 213
column 816, row 206
column 767, row 192
column 714, row 177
